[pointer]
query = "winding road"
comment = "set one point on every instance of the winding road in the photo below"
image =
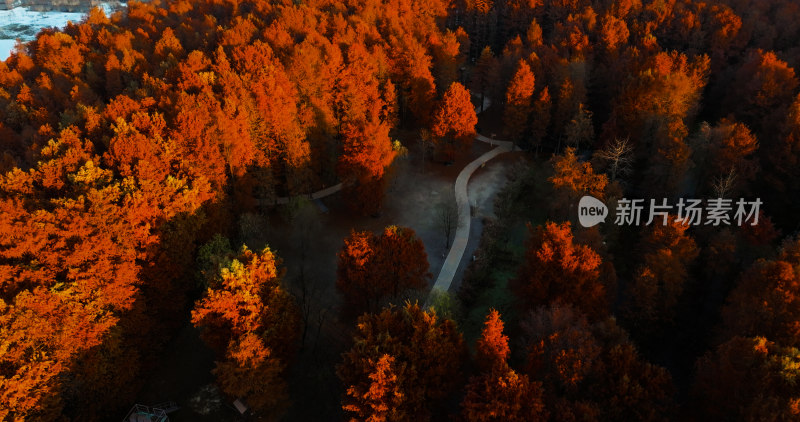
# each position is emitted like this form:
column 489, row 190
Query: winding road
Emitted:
column 461, row 238
column 459, row 246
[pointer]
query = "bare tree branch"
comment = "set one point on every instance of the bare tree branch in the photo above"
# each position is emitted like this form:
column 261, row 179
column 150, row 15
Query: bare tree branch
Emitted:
column 722, row 185
column 618, row 155
column 447, row 213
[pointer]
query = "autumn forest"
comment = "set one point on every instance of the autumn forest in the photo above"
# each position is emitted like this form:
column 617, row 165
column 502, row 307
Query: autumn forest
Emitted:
column 262, row 210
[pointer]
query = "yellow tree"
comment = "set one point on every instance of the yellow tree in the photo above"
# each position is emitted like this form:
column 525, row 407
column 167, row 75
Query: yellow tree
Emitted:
column 253, row 323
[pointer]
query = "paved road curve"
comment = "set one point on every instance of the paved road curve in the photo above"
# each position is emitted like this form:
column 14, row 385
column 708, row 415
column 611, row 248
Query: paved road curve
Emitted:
column 461, row 238
column 336, row 188
column 459, row 245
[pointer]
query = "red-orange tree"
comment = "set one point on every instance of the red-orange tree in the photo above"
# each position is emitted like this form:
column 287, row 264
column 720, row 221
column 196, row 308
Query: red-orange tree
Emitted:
column 654, row 108
column 492, row 347
column 781, row 165
column 366, row 150
column 540, row 118
column 250, row 370
column 499, row 393
column 555, row 269
column 73, row 236
column 408, row 357
column 247, row 317
column 763, row 90
column 454, row 121
column 366, row 153
column 519, row 96
column 732, row 148
column 379, row 397
column 484, row 74
column 116, row 131
column 572, row 179
column 374, row 268
column 592, row 370
column 766, row 302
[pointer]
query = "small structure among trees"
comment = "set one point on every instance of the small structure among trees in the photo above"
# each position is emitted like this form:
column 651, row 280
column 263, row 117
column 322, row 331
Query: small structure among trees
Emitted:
column 157, row 413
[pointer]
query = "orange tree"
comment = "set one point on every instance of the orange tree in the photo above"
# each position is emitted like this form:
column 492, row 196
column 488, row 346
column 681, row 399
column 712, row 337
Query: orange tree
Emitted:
column 404, row 360
column 374, row 268
column 556, row 269
column 592, row 369
column 252, row 323
column 499, row 393
column 454, row 121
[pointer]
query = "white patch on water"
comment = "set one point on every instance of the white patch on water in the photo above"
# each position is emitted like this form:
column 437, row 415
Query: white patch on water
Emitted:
column 23, row 16
column 5, row 48
column 23, row 24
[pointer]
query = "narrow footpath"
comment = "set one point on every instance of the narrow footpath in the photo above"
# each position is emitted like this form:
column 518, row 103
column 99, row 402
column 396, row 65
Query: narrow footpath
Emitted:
column 459, row 246
column 461, row 237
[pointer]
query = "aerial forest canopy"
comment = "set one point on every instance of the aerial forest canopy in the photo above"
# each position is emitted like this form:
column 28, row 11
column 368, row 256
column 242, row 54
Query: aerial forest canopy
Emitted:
column 125, row 139
column 129, row 141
